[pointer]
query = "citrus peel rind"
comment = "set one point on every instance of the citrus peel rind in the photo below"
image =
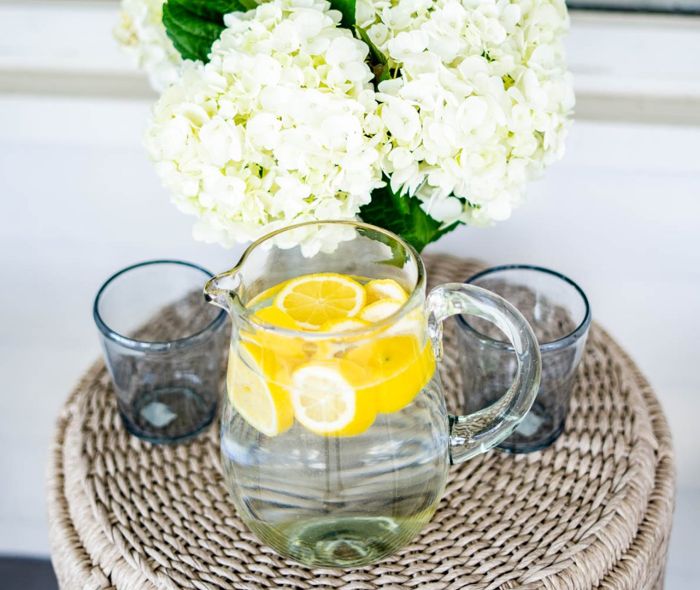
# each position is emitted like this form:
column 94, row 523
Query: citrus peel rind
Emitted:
column 322, row 397
column 380, row 310
column 379, row 289
column 256, row 397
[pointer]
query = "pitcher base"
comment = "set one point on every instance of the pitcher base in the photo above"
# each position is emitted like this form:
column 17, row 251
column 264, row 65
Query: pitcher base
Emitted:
column 340, row 541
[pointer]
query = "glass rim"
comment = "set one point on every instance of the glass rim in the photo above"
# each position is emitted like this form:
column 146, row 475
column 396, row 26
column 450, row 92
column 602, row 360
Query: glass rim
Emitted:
column 357, row 333
column 154, row 345
column 562, row 341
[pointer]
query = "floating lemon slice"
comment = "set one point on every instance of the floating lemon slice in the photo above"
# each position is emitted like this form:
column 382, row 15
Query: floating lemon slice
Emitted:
column 334, row 346
column 396, row 368
column 291, row 347
column 276, row 317
column 253, row 392
column 385, row 289
column 385, row 357
column 380, row 310
column 313, row 300
column 326, row 401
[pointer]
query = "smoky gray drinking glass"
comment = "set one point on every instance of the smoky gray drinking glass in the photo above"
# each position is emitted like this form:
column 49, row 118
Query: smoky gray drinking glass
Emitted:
column 164, row 348
column 559, row 313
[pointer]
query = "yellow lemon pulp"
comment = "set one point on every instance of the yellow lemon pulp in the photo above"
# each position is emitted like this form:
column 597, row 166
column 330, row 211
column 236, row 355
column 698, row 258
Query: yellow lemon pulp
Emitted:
column 326, row 400
column 276, row 317
column 397, row 368
column 287, row 345
column 332, row 386
column 253, row 391
column 313, row 300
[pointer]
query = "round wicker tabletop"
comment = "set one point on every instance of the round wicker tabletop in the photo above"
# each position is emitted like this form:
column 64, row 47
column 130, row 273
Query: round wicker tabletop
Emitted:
column 592, row 511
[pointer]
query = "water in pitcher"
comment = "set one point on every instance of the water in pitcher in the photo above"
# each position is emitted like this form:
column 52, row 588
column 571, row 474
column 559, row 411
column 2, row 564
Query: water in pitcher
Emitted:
column 334, row 445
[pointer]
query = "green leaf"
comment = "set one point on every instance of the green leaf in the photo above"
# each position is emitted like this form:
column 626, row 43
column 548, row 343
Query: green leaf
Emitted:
column 404, row 216
column 377, row 54
column 211, row 10
column 378, row 61
column 189, row 46
column 347, row 9
column 194, row 25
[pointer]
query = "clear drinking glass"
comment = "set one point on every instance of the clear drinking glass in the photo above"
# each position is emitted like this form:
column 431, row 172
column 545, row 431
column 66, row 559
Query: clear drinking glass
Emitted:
column 559, row 313
column 164, row 348
column 352, row 496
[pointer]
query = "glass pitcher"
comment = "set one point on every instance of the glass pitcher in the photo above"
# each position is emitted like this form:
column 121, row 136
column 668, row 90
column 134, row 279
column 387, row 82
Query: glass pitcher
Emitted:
column 335, row 440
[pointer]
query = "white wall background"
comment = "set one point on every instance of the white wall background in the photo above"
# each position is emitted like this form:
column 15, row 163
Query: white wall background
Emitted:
column 78, row 200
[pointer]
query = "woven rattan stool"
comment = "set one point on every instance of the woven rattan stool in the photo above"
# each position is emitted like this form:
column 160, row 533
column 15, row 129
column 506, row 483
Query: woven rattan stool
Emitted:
column 592, row 511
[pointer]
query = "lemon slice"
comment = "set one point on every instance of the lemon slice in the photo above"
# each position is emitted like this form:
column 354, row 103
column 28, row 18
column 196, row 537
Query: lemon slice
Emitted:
column 396, row 369
column 382, row 358
column 326, row 402
column 276, row 317
column 289, row 346
column 312, row 300
column 385, row 289
column 253, row 393
column 328, row 348
column 380, row 310
column 323, row 399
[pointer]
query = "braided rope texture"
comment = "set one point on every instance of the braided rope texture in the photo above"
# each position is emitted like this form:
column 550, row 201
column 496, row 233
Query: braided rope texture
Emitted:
column 592, row 511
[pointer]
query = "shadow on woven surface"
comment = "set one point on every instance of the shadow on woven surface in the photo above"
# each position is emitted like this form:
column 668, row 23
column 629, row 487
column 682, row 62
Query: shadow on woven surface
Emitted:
column 21, row 573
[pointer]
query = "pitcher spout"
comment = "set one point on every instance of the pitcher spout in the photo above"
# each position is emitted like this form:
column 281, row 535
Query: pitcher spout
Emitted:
column 221, row 289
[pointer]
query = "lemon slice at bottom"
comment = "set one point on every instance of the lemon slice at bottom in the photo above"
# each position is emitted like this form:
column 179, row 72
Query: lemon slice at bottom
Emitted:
column 260, row 402
column 326, row 402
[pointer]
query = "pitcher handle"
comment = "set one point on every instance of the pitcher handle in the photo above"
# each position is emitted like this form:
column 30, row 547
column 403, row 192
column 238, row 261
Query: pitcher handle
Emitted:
column 482, row 430
column 220, row 289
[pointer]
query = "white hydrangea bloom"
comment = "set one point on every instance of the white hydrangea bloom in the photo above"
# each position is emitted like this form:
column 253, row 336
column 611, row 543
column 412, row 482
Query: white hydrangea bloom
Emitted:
column 481, row 103
column 280, row 127
column 142, row 35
